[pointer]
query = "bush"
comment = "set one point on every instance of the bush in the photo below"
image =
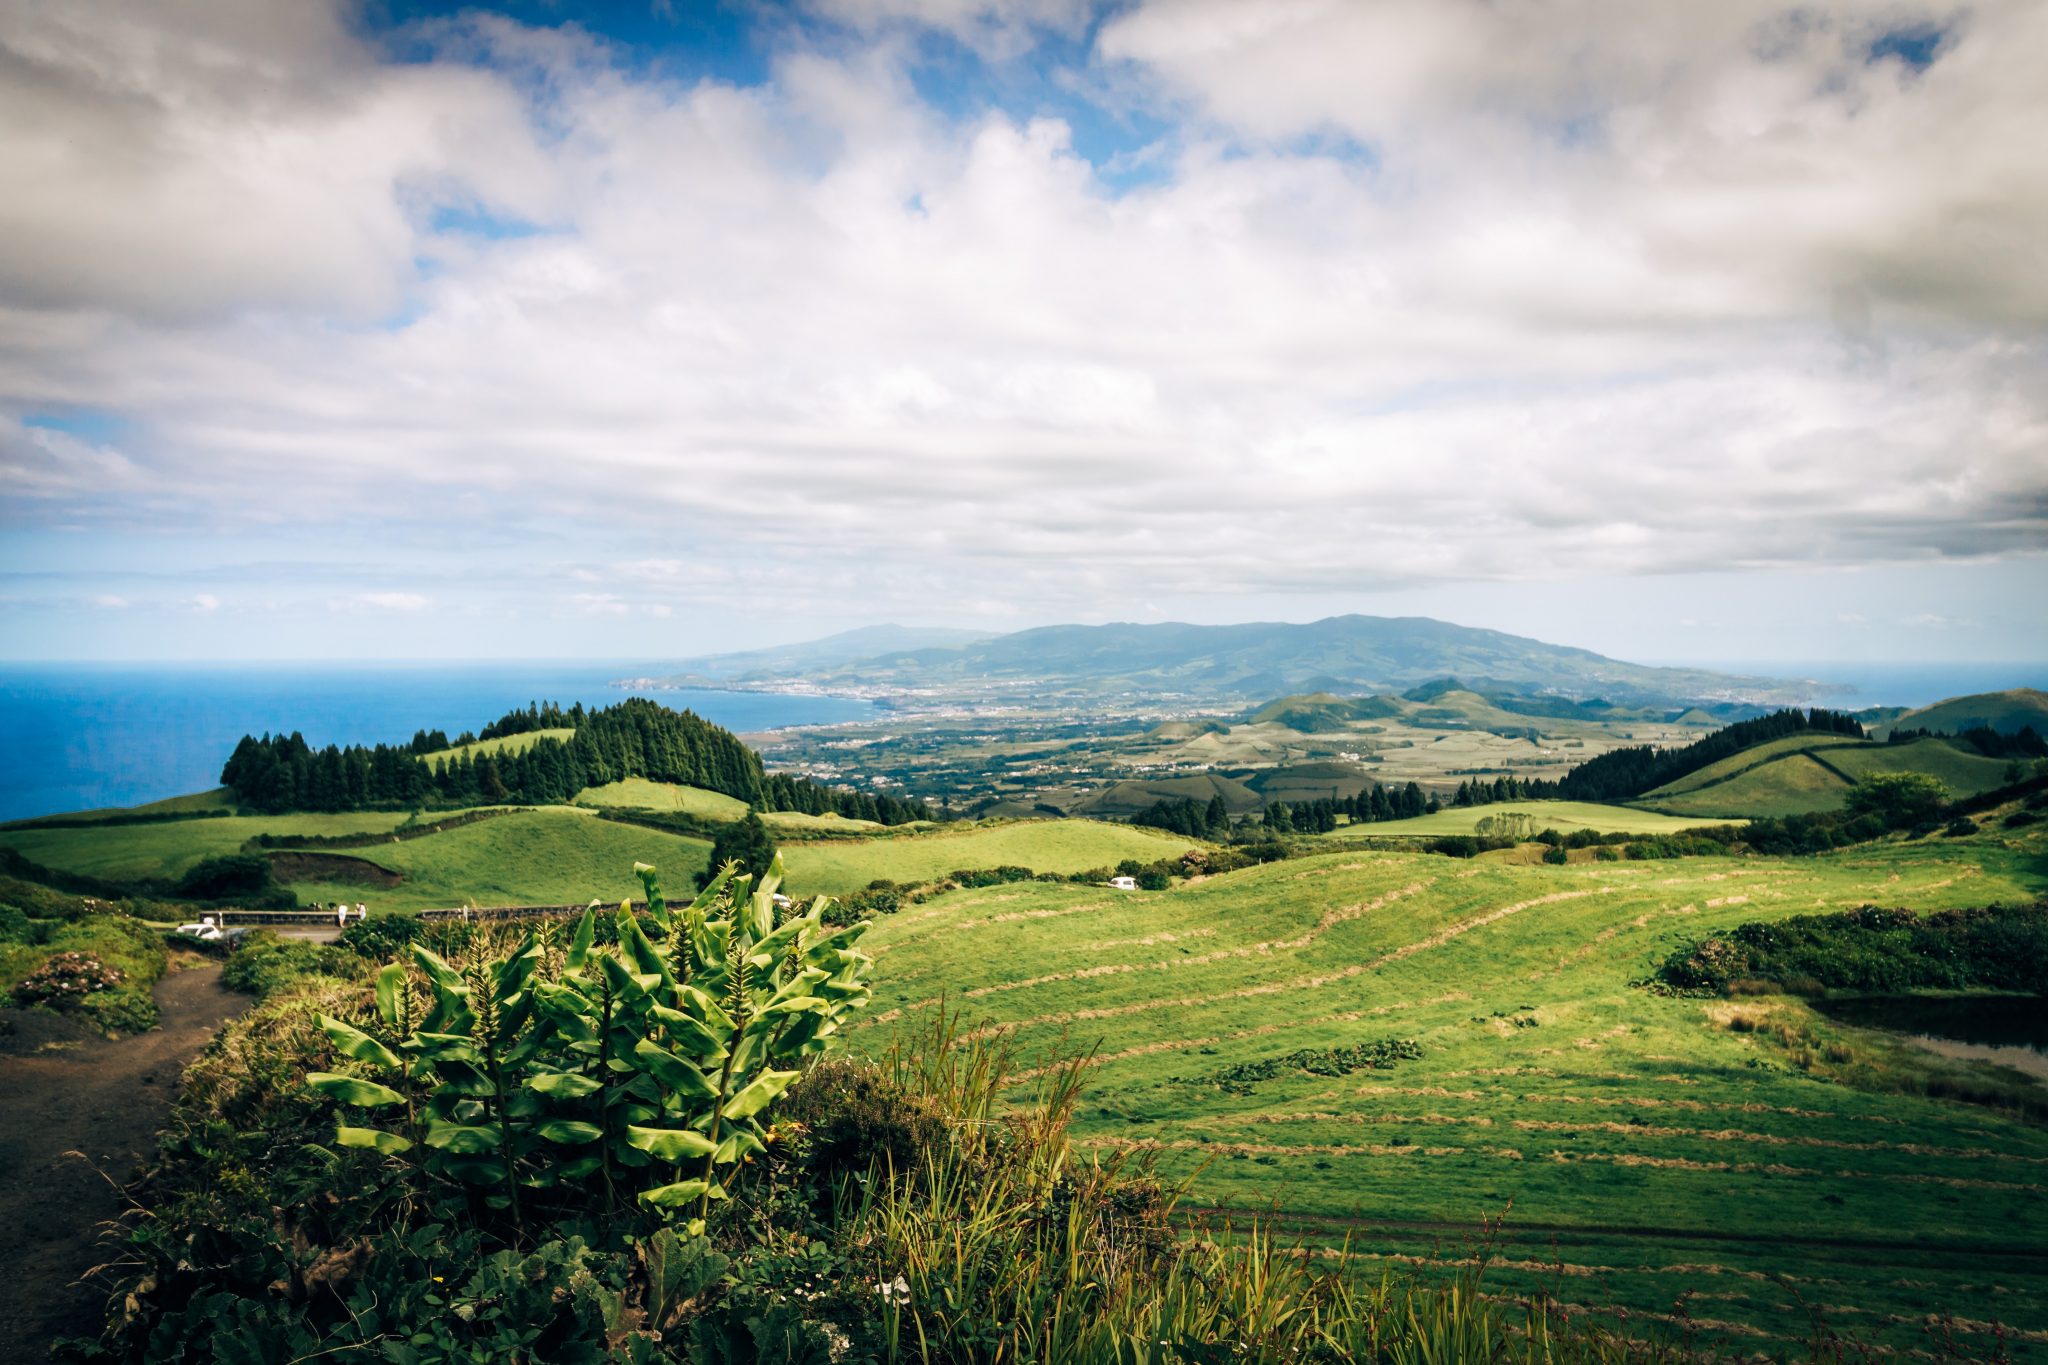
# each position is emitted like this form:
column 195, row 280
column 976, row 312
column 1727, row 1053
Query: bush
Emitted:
column 264, row 963
column 1556, row 856
column 1151, row 879
column 1960, row 826
column 381, row 938
column 16, row 927
column 235, row 876
column 1875, row 950
column 64, row 982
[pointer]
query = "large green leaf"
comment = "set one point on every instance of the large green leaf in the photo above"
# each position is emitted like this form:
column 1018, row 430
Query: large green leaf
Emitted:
column 569, row 1131
column 759, row 1094
column 391, row 993
column 352, row 1042
column 688, row 1035
column 681, row 1193
column 670, row 1144
column 354, row 1090
column 675, row 1074
column 563, row 1085
column 579, row 945
column 464, row 1139
column 375, row 1139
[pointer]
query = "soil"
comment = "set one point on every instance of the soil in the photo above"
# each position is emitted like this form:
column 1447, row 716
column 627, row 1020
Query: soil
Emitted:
column 79, row 1116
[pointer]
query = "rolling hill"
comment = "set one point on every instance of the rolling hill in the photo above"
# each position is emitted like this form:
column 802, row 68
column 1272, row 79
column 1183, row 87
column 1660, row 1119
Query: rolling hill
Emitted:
column 1802, row 774
column 1354, row 654
column 2006, row 712
column 1653, row 1154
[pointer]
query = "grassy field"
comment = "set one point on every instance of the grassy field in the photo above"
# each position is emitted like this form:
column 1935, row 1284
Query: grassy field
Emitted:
column 555, row 855
column 836, row 867
column 124, row 852
column 1801, row 774
column 1562, row 816
column 795, row 822
column 1648, row 1154
column 638, row 793
column 505, row 744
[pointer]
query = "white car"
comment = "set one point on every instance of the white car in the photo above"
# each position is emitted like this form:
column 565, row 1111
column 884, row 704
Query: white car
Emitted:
column 205, row 929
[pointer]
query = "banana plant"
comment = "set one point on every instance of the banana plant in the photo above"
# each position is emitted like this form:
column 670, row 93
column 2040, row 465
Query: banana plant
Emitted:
column 644, row 1068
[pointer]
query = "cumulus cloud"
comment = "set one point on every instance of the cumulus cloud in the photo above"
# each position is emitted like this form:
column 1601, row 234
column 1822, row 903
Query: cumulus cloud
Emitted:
column 1417, row 292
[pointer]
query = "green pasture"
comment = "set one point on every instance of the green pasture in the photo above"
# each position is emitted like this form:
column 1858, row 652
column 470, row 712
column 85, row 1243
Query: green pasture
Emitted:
column 839, row 867
column 504, row 744
column 1562, row 816
column 553, row 855
column 127, row 852
column 1641, row 1149
column 795, row 822
column 1801, row 774
column 640, row 793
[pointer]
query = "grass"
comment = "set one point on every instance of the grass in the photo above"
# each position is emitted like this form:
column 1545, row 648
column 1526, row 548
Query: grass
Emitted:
column 639, row 793
column 554, row 855
column 128, row 852
column 835, row 867
column 504, row 744
column 1562, row 816
column 1801, row 774
column 796, row 822
column 1653, row 1156
column 119, row 942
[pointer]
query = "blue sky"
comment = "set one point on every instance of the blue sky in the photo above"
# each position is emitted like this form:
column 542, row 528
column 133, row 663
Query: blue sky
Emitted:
column 540, row 330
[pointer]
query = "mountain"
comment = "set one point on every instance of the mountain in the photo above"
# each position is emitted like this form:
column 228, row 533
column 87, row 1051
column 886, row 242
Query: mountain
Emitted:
column 2006, row 712
column 1244, row 663
column 833, row 651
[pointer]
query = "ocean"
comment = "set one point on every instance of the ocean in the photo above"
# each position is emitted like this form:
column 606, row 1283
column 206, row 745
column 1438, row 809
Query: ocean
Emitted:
column 85, row 736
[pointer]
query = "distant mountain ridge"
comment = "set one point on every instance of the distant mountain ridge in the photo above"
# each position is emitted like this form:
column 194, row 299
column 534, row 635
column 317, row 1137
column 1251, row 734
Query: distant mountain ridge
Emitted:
column 1253, row 662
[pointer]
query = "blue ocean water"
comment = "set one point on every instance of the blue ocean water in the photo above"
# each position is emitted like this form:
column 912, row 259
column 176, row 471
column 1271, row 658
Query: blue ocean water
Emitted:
column 1897, row 683
column 83, row 736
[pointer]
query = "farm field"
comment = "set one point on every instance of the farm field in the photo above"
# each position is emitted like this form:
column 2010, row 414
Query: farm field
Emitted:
column 504, row 744
column 638, row 793
column 1562, row 816
column 1798, row 775
column 796, row 822
column 835, row 867
column 1643, row 1150
column 124, row 852
column 553, row 855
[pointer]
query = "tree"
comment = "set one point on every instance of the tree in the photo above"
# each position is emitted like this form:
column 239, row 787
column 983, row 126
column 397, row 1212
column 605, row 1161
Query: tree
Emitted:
column 1898, row 799
column 745, row 842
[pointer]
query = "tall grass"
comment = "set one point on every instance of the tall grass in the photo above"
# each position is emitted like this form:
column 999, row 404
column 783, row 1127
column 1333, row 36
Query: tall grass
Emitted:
column 1005, row 1244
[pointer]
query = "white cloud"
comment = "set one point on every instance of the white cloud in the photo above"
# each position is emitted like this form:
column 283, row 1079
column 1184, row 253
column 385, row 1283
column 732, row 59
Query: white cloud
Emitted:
column 111, row 603
column 1611, row 289
column 205, row 601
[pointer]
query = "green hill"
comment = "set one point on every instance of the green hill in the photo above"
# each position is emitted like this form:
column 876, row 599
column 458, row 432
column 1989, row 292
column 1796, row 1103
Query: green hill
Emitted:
column 1563, row 816
column 1652, row 1154
column 638, row 793
column 2006, row 712
column 841, row 866
column 554, row 855
column 504, row 744
column 1319, row 712
column 1121, row 799
column 1802, row 774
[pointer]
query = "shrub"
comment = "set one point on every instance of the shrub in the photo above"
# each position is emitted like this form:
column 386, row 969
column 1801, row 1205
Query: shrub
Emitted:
column 66, row 980
column 1960, row 826
column 235, row 876
column 16, row 927
column 264, row 963
column 1556, row 856
column 381, row 938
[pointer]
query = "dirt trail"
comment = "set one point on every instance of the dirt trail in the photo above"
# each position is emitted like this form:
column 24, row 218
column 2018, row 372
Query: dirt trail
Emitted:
column 64, row 1091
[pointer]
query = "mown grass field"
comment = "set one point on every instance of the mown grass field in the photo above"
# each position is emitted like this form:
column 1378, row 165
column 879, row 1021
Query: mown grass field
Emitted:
column 1801, row 774
column 837, row 868
column 126, row 852
column 504, row 744
column 638, row 793
column 1644, row 1152
column 797, row 823
column 1562, row 816
column 554, row 855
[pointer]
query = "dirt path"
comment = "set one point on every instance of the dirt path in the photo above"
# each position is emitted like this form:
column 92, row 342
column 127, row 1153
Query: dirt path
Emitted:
column 67, row 1092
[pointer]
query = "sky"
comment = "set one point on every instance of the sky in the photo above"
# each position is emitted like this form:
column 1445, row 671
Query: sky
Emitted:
column 542, row 330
